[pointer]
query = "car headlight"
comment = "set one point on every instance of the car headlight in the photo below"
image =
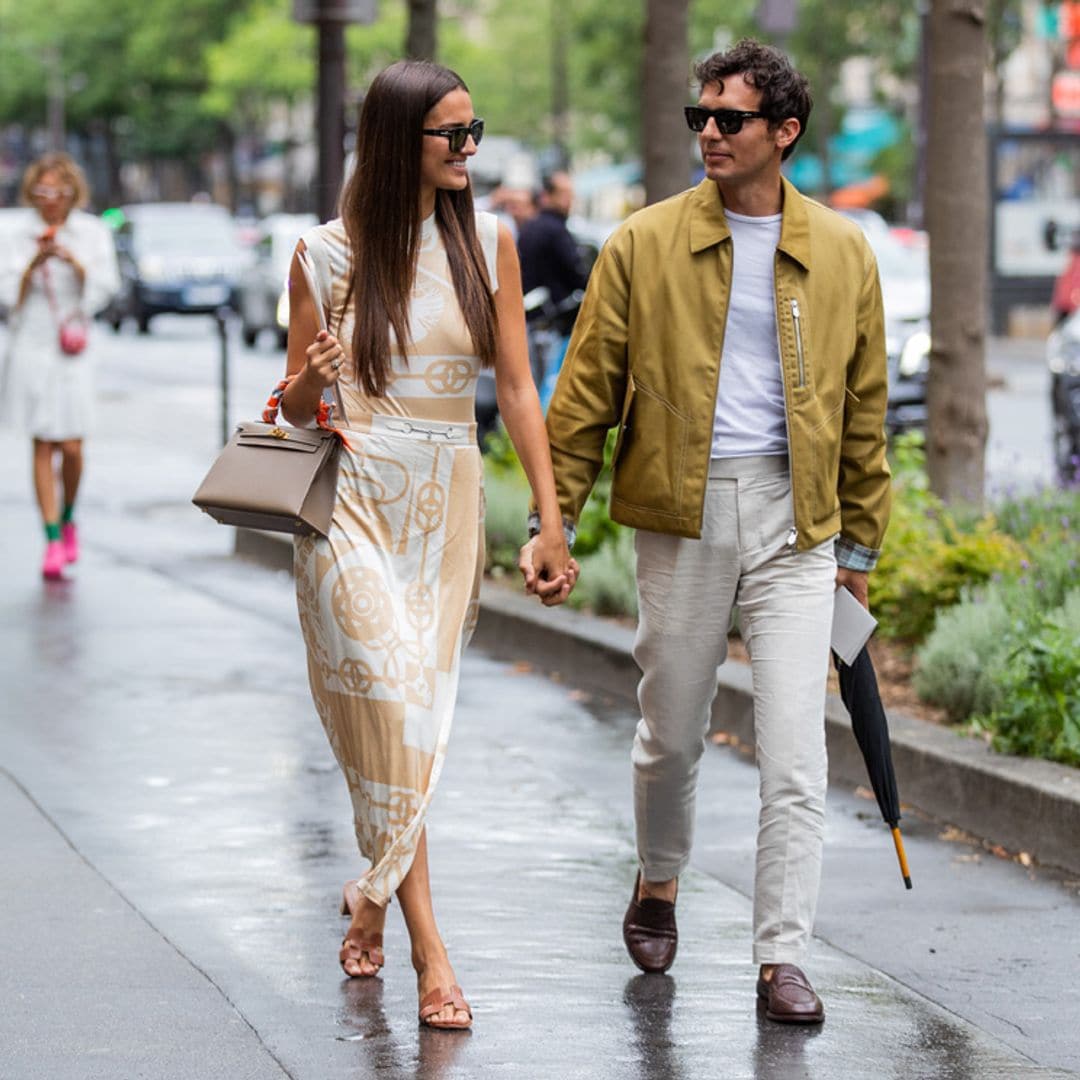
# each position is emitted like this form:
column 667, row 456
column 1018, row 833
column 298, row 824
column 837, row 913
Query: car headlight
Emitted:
column 915, row 355
column 152, row 269
column 1066, row 359
column 282, row 314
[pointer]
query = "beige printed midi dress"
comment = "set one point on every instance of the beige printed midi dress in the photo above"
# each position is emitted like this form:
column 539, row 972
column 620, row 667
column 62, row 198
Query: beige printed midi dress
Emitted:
column 388, row 601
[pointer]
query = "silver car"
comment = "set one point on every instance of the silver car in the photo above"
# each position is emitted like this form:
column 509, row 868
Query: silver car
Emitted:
column 263, row 295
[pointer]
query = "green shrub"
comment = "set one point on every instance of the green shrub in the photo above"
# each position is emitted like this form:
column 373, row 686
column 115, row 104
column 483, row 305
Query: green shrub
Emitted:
column 926, row 567
column 506, row 496
column 1054, row 511
column 956, row 663
column 1039, row 688
column 929, row 559
column 607, row 584
column 595, row 529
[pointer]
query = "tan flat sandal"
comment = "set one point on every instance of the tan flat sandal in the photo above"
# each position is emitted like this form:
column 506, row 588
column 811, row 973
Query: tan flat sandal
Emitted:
column 352, row 949
column 436, row 1001
column 355, row 948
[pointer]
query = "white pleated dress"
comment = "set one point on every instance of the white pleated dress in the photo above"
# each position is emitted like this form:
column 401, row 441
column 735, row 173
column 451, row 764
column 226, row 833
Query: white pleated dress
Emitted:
column 43, row 392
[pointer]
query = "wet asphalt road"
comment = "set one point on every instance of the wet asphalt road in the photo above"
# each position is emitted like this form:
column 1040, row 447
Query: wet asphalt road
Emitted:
column 175, row 833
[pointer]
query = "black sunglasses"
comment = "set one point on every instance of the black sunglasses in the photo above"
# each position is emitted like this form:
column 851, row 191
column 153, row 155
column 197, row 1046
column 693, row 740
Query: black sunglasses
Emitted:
column 728, row 121
column 457, row 137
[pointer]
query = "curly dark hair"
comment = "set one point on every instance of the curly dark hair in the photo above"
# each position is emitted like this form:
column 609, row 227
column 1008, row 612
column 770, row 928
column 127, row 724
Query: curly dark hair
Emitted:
column 784, row 92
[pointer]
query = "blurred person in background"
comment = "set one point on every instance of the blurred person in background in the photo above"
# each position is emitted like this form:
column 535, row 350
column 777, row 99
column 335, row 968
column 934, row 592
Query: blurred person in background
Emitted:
column 513, row 206
column 549, row 255
column 57, row 269
column 1066, row 297
column 550, row 260
column 420, row 291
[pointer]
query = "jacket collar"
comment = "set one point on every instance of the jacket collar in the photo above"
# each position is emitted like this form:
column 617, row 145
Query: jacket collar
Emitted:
column 708, row 225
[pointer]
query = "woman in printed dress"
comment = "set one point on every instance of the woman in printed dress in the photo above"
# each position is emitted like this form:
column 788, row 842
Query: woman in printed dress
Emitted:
column 418, row 291
column 57, row 265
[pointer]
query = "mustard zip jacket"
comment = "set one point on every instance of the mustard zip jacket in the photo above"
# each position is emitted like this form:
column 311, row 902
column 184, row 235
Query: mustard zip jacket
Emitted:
column 645, row 355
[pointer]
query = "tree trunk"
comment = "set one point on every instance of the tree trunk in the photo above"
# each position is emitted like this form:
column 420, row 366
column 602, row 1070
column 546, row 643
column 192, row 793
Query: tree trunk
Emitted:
column 665, row 82
column 420, row 40
column 957, row 207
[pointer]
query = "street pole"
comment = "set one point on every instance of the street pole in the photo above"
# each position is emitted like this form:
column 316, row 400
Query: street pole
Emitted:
column 54, row 81
column 221, row 317
column 331, row 120
column 330, row 17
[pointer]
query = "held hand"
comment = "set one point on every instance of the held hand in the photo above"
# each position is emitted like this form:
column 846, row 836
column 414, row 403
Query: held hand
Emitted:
column 324, row 359
column 857, row 583
column 548, row 569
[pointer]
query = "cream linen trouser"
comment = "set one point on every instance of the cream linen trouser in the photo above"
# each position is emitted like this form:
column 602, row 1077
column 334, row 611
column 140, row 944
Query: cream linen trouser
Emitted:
column 686, row 591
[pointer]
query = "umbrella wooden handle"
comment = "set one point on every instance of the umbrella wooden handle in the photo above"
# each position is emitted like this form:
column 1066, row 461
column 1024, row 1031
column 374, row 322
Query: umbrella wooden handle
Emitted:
column 898, row 842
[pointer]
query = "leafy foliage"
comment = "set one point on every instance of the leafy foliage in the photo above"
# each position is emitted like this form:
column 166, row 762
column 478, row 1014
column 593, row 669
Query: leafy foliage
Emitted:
column 608, row 582
column 1039, row 689
column 928, row 558
column 957, row 661
column 1005, row 655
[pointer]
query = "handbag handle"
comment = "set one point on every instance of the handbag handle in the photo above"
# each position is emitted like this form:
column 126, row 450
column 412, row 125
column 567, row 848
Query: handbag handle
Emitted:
column 322, row 415
column 331, row 394
column 50, row 296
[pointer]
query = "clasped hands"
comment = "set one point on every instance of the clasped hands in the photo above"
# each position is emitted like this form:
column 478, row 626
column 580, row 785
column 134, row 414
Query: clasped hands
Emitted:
column 548, row 568
column 48, row 248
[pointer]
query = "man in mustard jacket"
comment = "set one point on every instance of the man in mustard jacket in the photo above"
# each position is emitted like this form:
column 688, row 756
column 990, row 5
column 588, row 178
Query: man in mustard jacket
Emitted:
column 734, row 333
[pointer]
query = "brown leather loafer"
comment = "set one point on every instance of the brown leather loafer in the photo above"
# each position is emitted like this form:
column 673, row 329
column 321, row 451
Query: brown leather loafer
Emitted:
column 789, row 998
column 649, row 932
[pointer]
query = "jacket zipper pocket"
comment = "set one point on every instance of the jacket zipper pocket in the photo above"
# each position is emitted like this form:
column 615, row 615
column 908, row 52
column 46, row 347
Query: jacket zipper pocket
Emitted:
column 801, row 384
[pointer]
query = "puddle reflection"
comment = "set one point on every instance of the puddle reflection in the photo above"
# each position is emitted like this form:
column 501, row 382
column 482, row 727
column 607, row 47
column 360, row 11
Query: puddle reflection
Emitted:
column 651, row 1001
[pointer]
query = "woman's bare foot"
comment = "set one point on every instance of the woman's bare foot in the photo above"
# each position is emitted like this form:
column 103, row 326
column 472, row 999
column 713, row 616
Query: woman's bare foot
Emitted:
column 433, row 972
column 367, row 923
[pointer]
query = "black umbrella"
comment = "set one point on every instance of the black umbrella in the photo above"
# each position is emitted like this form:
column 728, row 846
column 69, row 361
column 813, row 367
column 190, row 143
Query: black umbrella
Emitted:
column 859, row 693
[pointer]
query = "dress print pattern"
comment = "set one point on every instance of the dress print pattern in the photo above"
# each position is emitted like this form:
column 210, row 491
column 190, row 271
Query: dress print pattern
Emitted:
column 388, row 600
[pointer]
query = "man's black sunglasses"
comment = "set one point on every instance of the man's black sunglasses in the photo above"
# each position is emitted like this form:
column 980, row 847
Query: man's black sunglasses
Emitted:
column 457, row 137
column 728, row 121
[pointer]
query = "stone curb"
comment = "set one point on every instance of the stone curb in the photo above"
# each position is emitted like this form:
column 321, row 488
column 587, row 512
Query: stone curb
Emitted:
column 1023, row 804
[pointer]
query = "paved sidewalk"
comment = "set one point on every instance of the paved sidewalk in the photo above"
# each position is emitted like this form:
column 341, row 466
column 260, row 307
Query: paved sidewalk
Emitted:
column 176, row 832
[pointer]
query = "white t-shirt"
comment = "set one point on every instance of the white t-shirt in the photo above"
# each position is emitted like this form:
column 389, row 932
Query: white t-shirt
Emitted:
column 750, row 417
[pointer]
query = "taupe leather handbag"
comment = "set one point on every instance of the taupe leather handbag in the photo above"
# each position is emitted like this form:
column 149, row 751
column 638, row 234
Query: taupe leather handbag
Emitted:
column 278, row 478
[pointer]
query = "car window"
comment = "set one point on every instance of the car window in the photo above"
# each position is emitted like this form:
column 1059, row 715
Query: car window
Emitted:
column 895, row 260
column 183, row 234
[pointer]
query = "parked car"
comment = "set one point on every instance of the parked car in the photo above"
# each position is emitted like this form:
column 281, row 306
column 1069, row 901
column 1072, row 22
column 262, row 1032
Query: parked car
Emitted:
column 263, row 296
column 180, row 258
column 904, row 271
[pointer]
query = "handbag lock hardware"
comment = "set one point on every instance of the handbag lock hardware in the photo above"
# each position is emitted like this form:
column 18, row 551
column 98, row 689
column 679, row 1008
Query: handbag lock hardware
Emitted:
column 277, row 433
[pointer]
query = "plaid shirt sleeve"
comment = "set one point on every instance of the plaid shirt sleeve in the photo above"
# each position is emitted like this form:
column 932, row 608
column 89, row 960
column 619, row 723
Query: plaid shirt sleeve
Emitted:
column 852, row 556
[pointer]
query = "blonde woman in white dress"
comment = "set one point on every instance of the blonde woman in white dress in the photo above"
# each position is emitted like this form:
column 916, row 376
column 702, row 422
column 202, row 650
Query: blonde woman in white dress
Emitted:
column 57, row 266
column 419, row 291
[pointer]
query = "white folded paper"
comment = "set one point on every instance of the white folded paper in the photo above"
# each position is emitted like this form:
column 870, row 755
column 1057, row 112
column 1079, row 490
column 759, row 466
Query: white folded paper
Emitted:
column 852, row 626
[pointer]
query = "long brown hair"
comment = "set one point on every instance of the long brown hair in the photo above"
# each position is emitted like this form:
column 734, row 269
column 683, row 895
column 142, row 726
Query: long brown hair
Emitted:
column 380, row 207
